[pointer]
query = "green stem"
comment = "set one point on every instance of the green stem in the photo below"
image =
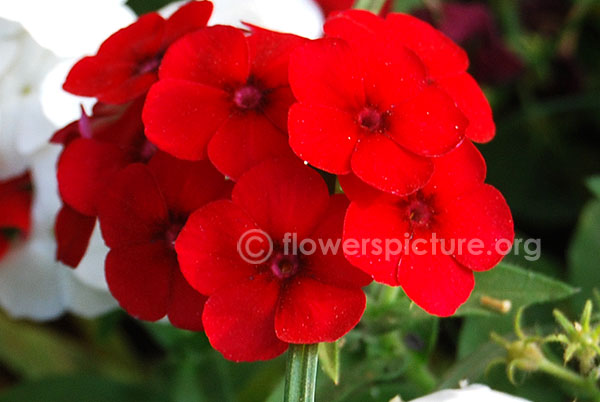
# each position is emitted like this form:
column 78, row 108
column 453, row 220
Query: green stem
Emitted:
column 301, row 373
column 569, row 376
column 373, row 6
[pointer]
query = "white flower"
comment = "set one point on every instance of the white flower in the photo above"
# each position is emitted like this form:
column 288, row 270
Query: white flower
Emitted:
column 23, row 127
column 471, row 393
column 32, row 284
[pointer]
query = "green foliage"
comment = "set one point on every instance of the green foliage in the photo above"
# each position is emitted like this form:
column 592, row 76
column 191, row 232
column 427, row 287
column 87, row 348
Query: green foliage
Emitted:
column 512, row 283
column 145, row 6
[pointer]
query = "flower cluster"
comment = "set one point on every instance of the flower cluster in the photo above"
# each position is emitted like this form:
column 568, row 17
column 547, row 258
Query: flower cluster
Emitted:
column 199, row 135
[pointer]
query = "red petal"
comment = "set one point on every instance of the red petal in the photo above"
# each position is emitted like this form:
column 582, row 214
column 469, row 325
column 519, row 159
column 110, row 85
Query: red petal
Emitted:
column 277, row 106
column 441, row 56
column 73, row 231
column 270, row 55
column 239, row 320
column 139, row 278
column 457, row 172
column 283, row 196
column 360, row 192
column 186, row 305
column 186, row 185
column 216, row 56
column 480, row 215
column 207, row 247
column 16, row 198
column 132, row 43
column 181, row 117
column 190, row 17
column 244, row 141
column 353, row 25
column 84, row 169
column 381, row 222
column 381, row 163
column 129, row 89
column 330, row 266
column 311, row 312
column 395, row 74
column 92, row 76
column 429, row 124
column 323, row 136
column 325, row 72
column 436, row 283
column 133, row 210
column 472, row 102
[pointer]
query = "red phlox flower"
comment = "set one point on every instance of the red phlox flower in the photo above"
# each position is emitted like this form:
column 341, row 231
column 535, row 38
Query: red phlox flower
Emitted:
column 256, row 308
column 126, row 64
column 16, row 198
column 141, row 216
column 446, row 63
column 224, row 94
column 455, row 206
column 365, row 105
column 96, row 148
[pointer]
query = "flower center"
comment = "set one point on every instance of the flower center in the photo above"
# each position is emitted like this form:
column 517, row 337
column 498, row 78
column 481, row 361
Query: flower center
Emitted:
column 149, row 65
column 172, row 233
column 420, row 213
column 370, row 119
column 248, row 97
column 147, row 151
column 284, row 266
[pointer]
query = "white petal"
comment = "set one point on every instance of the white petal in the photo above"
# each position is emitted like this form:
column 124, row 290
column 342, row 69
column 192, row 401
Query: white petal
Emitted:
column 82, row 25
column 91, row 269
column 471, row 393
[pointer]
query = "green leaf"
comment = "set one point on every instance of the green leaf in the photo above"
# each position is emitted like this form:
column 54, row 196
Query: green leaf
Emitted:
column 473, row 366
column 145, row 6
column 584, row 253
column 593, row 183
column 80, row 388
column 329, row 356
column 517, row 285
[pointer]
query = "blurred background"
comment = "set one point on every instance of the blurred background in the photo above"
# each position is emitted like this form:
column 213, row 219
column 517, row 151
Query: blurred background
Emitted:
column 61, row 336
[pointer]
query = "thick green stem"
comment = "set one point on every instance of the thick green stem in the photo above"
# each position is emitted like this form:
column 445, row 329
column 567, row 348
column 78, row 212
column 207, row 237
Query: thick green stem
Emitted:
column 301, row 374
column 373, row 6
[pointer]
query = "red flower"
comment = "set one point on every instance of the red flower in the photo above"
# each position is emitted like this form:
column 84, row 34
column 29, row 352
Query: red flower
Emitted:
column 126, row 64
column 446, row 63
column 140, row 217
column 366, row 104
column 255, row 309
column 96, row 148
column 455, row 206
column 15, row 210
column 225, row 94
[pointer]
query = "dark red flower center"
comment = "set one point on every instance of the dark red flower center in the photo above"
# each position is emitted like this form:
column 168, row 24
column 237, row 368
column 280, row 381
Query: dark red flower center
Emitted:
column 172, row 233
column 147, row 150
column 420, row 211
column 370, row 119
column 248, row 97
column 149, row 65
column 284, row 266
